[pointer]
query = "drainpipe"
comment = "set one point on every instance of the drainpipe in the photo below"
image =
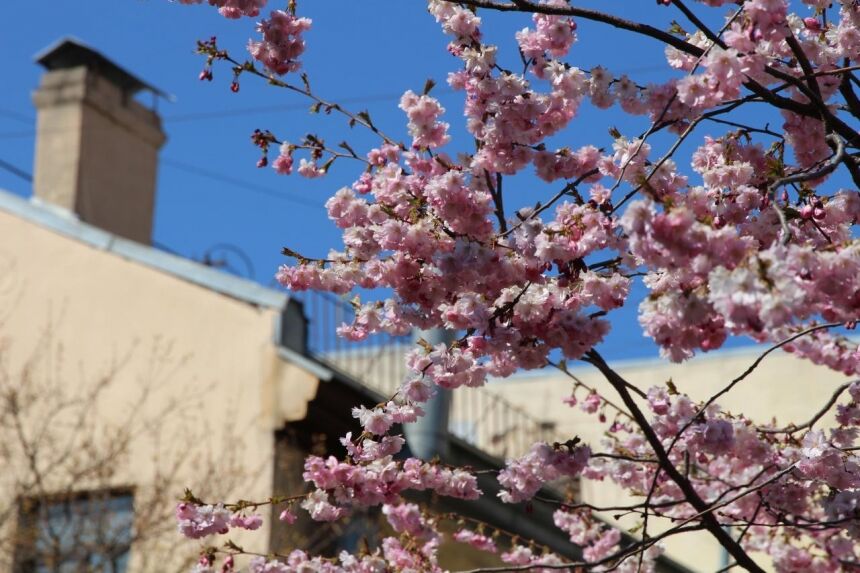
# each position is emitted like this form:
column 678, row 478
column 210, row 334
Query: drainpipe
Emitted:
column 428, row 436
column 724, row 554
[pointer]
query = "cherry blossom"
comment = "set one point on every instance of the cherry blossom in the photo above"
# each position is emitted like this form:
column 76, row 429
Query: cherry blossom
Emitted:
column 282, row 42
column 741, row 226
column 233, row 8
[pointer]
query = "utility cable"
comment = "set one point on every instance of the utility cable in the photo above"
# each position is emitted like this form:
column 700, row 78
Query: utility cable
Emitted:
column 15, row 171
column 222, row 178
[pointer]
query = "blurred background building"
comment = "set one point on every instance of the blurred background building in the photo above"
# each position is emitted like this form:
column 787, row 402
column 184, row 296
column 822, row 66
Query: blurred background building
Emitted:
column 128, row 373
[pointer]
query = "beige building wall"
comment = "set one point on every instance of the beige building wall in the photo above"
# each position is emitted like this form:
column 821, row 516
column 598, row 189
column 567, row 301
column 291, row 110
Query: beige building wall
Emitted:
column 194, row 375
column 783, row 387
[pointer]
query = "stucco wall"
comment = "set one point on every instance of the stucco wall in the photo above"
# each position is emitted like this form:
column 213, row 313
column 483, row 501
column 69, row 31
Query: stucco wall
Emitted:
column 194, row 373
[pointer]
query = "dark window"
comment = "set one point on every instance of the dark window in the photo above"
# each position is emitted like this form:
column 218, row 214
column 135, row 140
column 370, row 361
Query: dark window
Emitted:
column 81, row 533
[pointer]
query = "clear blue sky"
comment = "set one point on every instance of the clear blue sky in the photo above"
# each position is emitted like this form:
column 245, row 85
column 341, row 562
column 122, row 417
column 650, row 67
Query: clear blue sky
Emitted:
column 363, row 54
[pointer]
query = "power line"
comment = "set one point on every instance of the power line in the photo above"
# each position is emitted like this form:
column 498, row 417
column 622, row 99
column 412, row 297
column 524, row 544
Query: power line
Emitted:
column 19, row 117
column 200, row 172
column 18, row 134
column 222, row 178
column 254, row 110
column 215, row 114
column 16, row 171
column 285, row 107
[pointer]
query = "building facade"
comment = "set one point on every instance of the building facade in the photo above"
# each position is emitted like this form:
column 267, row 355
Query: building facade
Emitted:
column 128, row 374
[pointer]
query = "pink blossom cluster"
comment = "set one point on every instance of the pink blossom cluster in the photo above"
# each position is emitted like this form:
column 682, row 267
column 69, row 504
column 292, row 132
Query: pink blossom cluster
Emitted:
column 717, row 266
column 300, row 562
column 368, row 449
column 408, row 518
column 820, row 479
column 282, row 42
column 522, row 556
column 523, row 477
column 461, row 23
column 342, row 485
column 566, row 164
column 741, row 238
column 423, row 112
column 419, row 554
column 553, row 34
column 196, row 521
column 378, row 420
column 598, row 542
column 283, row 163
column 720, row 82
column 233, row 8
column 448, row 367
column 477, row 540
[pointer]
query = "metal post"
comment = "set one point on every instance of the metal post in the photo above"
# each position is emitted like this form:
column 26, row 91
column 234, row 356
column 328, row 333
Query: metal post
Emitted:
column 428, row 437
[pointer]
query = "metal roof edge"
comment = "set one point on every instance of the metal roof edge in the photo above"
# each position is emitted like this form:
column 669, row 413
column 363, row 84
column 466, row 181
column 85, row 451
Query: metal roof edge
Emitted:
column 67, row 224
column 307, row 363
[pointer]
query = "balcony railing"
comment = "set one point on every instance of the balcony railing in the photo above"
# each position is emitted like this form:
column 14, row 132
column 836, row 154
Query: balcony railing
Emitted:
column 478, row 415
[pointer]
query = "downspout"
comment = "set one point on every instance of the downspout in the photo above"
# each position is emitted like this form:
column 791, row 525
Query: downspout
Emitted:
column 428, row 436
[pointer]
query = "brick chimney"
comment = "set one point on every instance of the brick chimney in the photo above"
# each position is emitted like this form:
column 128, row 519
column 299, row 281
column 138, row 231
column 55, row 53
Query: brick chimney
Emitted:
column 96, row 147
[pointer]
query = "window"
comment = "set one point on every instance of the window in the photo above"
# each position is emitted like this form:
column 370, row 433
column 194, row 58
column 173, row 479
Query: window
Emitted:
column 79, row 533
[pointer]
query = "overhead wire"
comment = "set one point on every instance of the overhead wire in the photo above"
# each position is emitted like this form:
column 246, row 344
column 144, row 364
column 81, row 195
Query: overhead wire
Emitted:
column 199, row 116
column 16, row 171
column 236, row 112
column 18, row 134
column 14, row 115
column 200, row 172
column 224, row 178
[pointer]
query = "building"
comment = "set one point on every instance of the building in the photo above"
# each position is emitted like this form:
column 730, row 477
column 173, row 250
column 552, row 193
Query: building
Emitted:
column 129, row 373
column 782, row 387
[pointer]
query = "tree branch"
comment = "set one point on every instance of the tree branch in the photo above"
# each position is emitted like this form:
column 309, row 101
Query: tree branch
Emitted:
column 708, row 520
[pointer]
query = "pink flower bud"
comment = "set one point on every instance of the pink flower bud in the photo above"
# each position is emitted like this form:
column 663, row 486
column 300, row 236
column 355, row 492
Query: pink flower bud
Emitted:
column 812, row 24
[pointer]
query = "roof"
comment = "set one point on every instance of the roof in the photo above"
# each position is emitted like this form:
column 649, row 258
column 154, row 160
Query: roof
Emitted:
column 67, row 224
column 72, row 53
column 329, row 415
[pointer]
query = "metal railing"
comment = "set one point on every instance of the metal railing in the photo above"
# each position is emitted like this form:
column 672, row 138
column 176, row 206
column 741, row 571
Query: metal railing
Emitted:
column 479, row 416
column 376, row 362
column 495, row 425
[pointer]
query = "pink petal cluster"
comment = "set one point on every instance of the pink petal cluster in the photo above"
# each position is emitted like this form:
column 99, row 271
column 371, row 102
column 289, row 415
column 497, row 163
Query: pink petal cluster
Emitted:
column 749, row 242
column 196, row 521
column 523, row 477
column 342, row 485
column 477, row 540
column 233, row 8
column 424, row 126
column 282, row 42
column 553, row 34
column 283, row 163
column 408, row 518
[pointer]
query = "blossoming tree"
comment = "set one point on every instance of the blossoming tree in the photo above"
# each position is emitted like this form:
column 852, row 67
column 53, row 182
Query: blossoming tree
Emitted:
column 756, row 241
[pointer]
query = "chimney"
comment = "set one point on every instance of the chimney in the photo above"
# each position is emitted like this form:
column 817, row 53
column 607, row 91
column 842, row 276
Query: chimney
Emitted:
column 96, row 147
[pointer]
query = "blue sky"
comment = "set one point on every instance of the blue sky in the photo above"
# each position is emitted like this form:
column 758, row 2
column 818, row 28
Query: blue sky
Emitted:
column 362, row 54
